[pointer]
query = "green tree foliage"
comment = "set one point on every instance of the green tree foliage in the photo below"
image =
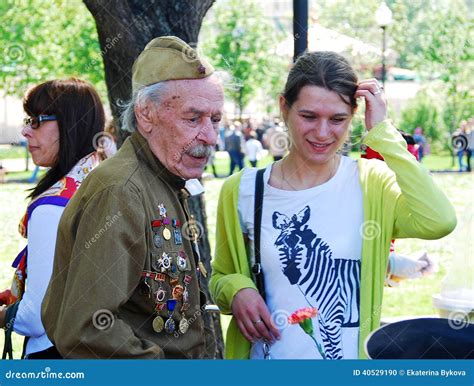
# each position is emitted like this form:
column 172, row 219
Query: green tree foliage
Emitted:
column 43, row 40
column 243, row 42
column 446, row 53
column 424, row 113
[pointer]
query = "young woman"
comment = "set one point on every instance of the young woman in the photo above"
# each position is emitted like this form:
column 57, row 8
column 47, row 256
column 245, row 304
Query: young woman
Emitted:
column 326, row 222
column 64, row 121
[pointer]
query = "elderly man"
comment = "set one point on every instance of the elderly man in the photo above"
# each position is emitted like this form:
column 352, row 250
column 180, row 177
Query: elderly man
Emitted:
column 125, row 281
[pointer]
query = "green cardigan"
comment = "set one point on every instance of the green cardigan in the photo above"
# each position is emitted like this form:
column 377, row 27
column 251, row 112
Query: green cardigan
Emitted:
column 400, row 200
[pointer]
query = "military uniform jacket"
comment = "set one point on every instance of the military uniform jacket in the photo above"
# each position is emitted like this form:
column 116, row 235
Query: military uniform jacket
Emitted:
column 116, row 268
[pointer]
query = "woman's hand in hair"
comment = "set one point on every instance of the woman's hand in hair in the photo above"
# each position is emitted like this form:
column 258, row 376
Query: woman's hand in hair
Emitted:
column 375, row 102
column 252, row 316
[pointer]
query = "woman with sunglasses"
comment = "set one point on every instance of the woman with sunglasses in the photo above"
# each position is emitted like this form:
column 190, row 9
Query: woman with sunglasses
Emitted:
column 63, row 127
column 313, row 230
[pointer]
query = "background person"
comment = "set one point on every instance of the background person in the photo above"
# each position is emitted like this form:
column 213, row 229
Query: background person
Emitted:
column 253, row 149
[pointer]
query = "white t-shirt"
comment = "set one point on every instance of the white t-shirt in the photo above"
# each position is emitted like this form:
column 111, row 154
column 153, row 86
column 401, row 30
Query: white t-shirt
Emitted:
column 310, row 253
column 253, row 149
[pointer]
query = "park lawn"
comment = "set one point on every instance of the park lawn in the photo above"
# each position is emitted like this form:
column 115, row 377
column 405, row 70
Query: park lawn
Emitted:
column 12, row 152
column 410, row 298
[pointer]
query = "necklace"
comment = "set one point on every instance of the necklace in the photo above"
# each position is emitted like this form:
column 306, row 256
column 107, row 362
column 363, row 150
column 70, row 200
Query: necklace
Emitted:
column 333, row 172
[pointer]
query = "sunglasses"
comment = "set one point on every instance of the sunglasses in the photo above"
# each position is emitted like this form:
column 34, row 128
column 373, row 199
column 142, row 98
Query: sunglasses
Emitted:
column 35, row 122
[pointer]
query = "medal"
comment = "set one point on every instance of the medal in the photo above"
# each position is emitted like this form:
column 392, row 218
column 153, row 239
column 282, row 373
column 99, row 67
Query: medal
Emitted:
column 155, row 225
column 166, row 231
column 170, row 325
column 183, row 325
column 157, row 240
column 166, row 234
column 178, row 239
column 158, row 324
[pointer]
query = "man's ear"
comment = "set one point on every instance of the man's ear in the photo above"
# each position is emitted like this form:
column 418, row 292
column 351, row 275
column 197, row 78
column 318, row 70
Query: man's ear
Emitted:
column 144, row 117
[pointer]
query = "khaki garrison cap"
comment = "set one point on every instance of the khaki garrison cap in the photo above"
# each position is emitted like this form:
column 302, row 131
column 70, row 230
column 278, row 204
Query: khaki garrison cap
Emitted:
column 168, row 58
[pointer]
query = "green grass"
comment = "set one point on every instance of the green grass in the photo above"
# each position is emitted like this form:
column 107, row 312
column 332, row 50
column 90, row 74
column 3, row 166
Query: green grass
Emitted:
column 10, row 152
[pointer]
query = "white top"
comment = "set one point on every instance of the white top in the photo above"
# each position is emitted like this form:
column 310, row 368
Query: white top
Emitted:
column 253, row 148
column 42, row 230
column 310, row 252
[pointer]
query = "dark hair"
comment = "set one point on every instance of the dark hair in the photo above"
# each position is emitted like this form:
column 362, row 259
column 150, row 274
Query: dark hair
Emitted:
column 80, row 116
column 323, row 69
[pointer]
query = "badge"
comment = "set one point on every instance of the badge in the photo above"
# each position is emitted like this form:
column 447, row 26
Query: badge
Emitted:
column 157, row 240
column 176, row 223
column 162, row 210
column 178, row 239
column 165, row 261
column 181, row 262
column 160, row 295
column 158, row 324
column 183, row 326
column 178, row 292
column 166, row 234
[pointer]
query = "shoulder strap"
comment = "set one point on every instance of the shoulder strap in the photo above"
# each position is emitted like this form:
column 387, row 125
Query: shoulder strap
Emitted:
column 257, row 267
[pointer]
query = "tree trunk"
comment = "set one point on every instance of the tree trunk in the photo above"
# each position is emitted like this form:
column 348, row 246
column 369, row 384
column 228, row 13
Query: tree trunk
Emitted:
column 124, row 28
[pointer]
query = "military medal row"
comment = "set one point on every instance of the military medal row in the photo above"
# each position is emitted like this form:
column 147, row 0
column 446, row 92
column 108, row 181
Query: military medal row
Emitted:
column 159, row 234
column 163, row 300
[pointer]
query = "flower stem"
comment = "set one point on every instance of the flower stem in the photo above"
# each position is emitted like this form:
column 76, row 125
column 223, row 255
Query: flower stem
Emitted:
column 320, row 349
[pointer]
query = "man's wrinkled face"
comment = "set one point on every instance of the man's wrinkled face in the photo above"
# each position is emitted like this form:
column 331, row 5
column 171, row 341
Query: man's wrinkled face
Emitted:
column 182, row 130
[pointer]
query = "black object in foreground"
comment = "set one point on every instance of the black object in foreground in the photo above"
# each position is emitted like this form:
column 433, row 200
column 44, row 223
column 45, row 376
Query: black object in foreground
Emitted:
column 425, row 338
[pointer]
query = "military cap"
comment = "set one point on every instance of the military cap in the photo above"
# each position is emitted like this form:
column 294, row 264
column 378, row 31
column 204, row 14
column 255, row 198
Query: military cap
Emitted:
column 168, row 58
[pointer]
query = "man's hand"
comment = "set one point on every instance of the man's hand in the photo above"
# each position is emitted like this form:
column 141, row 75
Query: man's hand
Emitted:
column 252, row 316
